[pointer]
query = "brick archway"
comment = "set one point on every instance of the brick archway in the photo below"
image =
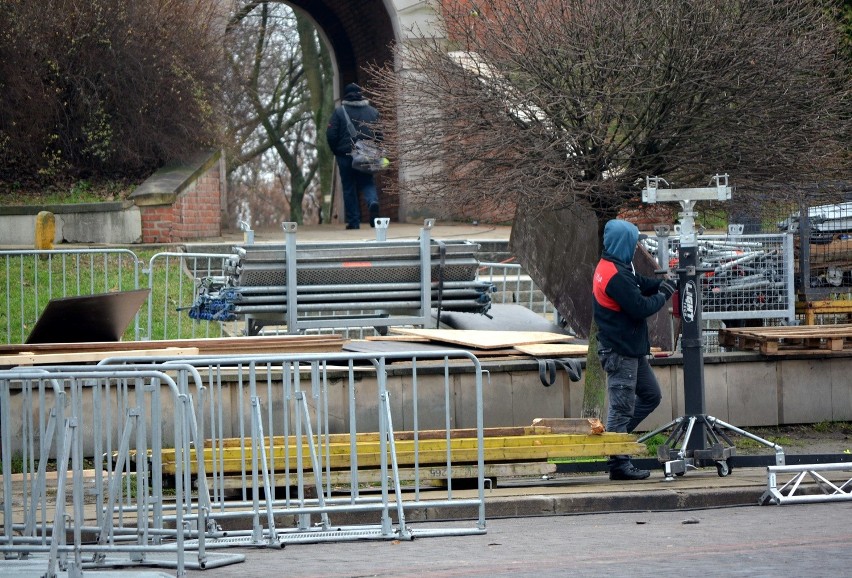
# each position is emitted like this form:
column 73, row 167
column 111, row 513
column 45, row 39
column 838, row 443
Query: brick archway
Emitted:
column 363, row 32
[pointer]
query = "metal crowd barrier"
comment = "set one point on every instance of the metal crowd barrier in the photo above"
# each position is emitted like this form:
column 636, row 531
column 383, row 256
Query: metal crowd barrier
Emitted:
column 169, row 439
column 451, row 279
column 512, row 285
column 303, row 412
column 308, row 286
column 93, row 424
column 169, row 301
column 33, row 277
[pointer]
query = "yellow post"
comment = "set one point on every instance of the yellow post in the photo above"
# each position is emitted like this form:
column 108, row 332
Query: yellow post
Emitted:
column 45, row 230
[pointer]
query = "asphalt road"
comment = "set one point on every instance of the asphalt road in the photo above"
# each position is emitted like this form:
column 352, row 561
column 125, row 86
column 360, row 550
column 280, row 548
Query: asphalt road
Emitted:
column 777, row 541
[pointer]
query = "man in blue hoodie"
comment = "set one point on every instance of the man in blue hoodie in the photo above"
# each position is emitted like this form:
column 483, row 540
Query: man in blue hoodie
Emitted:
column 623, row 301
column 363, row 118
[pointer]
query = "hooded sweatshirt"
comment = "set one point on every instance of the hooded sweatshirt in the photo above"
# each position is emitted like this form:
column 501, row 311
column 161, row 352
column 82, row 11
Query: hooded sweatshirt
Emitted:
column 622, row 299
column 362, row 115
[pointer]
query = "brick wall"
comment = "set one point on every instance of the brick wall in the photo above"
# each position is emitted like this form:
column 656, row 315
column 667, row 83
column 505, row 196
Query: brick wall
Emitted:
column 194, row 214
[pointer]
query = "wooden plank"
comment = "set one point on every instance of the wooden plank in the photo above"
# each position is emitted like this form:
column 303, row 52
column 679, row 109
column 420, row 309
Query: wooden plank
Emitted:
column 435, row 475
column 481, row 339
column 438, row 456
column 407, row 338
column 554, row 349
column 463, row 450
column 569, row 425
column 212, row 345
column 30, row 358
column 405, row 435
column 368, row 446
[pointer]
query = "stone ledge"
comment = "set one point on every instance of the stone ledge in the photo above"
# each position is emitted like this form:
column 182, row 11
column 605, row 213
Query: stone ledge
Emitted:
column 113, row 206
column 164, row 186
column 113, row 223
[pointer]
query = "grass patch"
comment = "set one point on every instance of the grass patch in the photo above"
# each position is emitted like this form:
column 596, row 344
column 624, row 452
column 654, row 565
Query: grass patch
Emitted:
column 654, row 442
column 577, row 460
column 68, row 193
column 28, row 282
column 745, row 443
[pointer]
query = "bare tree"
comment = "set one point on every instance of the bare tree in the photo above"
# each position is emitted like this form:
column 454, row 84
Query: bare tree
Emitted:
column 566, row 105
column 106, row 89
column 550, row 102
column 280, row 93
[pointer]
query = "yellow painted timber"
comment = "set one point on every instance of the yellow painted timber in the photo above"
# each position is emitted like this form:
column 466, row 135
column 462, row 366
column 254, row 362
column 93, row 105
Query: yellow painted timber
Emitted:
column 435, row 476
column 504, row 449
column 373, row 460
column 373, row 444
column 343, row 438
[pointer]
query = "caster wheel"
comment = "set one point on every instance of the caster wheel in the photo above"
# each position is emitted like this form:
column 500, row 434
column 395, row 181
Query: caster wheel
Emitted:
column 723, row 469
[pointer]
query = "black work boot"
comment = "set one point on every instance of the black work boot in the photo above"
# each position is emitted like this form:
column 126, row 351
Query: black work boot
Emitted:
column 629, row 472
column 620, row 468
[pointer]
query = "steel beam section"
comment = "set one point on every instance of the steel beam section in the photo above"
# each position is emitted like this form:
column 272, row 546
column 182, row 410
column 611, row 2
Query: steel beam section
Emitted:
column 808, row 484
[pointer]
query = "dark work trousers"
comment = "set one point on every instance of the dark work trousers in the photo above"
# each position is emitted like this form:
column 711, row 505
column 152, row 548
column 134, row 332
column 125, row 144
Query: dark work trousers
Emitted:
column 352, row 182
column 633, row 392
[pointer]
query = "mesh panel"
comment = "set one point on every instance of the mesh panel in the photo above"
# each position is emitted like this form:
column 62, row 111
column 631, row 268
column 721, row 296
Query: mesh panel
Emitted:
column 750, row 276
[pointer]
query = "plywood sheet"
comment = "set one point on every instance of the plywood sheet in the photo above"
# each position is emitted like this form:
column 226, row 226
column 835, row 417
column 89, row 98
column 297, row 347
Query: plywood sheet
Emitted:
column 30, row 358
column 554, row 349
column 480, row 339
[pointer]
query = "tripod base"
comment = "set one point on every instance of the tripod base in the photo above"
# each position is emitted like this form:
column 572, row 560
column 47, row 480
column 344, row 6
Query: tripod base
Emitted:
column 711, row 445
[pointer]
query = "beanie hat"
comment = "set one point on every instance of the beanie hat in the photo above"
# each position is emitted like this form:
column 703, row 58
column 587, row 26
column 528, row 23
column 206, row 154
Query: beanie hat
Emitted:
column 352, row 89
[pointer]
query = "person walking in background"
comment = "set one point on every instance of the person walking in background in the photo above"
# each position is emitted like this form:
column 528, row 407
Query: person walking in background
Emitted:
column 363, row 116
column 622, row 303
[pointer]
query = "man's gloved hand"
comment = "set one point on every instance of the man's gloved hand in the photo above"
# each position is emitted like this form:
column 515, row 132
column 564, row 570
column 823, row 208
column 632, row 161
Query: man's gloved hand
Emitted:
column 667, row 288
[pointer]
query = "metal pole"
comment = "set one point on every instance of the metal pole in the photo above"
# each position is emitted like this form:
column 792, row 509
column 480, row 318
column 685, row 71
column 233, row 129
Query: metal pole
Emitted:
column 690, row 307
column 426, row 272
column 292, row 313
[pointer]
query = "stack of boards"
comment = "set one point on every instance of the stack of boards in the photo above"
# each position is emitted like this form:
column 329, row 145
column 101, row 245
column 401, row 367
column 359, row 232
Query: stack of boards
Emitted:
column 484, row 343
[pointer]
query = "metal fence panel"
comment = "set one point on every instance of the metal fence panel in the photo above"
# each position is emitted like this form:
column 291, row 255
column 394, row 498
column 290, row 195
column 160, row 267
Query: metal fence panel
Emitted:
column 34, row 277
column 289, row 428
column 513, row 285
column 745, row 276
column 128, row 433
column 108, row 506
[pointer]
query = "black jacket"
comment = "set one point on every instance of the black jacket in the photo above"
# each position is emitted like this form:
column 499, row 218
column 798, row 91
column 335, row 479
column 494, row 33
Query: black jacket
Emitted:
column 622, row 302
column 362, row 116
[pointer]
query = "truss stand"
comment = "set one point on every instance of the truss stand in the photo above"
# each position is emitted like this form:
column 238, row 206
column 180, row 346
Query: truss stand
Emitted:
column 696, row 439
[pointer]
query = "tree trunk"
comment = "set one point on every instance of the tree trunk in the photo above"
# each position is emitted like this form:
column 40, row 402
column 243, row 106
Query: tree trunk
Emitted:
column 316, row 62
column 594, row 392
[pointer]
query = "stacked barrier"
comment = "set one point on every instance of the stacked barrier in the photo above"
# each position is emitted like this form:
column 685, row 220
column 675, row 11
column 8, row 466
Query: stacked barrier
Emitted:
column 349, row 284
column 156, row 428
column 115, row 514
column 744, row 276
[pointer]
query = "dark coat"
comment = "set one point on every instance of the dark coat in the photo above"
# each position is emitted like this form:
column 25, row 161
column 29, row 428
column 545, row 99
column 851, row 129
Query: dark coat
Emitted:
column 622, row 299
column 362, row 115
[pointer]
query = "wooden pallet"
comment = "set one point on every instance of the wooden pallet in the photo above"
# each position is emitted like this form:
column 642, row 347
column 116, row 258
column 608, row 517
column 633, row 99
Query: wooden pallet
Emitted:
column 813, row 339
